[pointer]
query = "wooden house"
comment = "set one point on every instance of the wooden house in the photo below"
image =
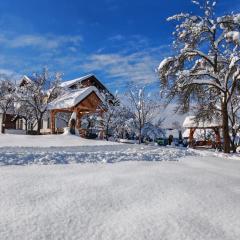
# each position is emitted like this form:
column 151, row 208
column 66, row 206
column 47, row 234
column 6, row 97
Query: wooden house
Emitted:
column 80, row 96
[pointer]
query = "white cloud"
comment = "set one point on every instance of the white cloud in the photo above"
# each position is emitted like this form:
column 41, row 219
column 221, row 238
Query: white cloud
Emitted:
column 47, row 41
column 10, row 74
column 138, row 67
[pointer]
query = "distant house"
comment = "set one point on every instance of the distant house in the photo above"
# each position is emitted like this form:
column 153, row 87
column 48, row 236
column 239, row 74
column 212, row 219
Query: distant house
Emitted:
column 9, row 122
column 80, row 96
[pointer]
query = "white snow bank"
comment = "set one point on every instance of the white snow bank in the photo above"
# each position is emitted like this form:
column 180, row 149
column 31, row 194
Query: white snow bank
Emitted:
column 88, row 154
column 10, row 140
column 197, row 198
column 220, row 155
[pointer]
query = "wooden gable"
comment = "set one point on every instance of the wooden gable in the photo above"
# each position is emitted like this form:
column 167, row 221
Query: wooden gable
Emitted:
column 90, row 103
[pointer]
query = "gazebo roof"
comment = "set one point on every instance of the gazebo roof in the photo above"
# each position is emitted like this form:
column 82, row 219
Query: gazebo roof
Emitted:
column 190, row 122
column 74, row 97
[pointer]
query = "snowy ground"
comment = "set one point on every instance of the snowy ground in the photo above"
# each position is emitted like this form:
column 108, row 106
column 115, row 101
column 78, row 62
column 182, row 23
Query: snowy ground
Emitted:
column 11, row 140
column 193, row 196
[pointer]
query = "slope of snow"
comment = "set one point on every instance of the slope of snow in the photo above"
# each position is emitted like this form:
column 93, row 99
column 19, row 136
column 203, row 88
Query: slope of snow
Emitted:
column 194, row 198
column 90, row 154
column 11, row 140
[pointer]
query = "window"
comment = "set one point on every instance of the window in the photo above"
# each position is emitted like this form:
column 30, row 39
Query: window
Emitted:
column 48, row 123
column 19, row 124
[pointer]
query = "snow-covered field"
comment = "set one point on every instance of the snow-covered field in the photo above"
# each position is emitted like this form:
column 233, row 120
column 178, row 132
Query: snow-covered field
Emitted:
column 192, row 196
column 11, row 140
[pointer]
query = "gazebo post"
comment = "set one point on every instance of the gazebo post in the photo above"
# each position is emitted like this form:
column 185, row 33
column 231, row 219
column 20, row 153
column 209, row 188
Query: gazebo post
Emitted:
column 192, row 130
column 218, row 137
column 52, row 115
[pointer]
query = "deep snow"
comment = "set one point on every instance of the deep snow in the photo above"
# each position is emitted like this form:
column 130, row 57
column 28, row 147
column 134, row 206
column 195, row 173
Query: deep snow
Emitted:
column 194, row 198
column 194, row 195
column 11, row 140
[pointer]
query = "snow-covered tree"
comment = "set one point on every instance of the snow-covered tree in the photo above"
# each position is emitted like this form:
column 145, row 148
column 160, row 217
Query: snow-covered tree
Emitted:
column 7, row 89
column 152, row 132
column 234, row 120
column 142, row 106
column 26, row 112
column 110, row 116
column 122, row 126
column 37, row 93
column 206, row 67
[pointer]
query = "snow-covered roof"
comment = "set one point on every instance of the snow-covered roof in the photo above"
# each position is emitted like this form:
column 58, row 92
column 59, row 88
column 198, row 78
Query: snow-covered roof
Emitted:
column 72, row 98
column 26, row 79
column 190, row 122
column 74, row 81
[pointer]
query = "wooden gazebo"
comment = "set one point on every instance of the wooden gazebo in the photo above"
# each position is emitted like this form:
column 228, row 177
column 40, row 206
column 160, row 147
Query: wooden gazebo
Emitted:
column 193, row 125
column 82, row 101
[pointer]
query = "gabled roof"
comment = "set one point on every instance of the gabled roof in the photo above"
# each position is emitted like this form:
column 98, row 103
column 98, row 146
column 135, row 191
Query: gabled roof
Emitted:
column 190, row 122
column 24, row 79
column 74, row 81
column 74, row 97
column 69, row 84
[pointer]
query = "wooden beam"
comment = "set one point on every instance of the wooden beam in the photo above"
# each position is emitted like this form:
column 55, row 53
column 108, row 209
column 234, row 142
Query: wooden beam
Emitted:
column 192, row 130
column 218, row 136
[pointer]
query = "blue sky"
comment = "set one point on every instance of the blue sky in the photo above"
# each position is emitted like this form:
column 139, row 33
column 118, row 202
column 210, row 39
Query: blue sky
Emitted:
column 118, row 40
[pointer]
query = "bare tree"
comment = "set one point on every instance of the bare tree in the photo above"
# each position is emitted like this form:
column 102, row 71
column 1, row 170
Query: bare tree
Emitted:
column 37, row 93
column 206, row 68
column 142, row 106
column 110, row 107
column 7, row 89
column 120, row 125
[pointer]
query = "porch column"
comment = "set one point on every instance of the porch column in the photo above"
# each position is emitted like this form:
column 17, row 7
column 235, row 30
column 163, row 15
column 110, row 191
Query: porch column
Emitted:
column 78, row 120
column 101, row 136
column 53, row 126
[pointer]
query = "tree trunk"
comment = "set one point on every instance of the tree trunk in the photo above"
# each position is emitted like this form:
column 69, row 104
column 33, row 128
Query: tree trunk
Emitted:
column 107, row 133
column 234, row 147
column 140, row 136
column 26, row 126
column 226, row 137
column 39, row 126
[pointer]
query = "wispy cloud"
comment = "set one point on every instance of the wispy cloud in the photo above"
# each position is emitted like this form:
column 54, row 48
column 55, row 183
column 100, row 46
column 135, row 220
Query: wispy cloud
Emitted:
column 122, row 59
column 138, row 67
column 47, row 41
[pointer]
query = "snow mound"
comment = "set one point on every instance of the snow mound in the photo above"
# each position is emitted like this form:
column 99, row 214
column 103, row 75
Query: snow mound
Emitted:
column 196, row 198
column 98, row 154
column 63, row 140
column 220, row 155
